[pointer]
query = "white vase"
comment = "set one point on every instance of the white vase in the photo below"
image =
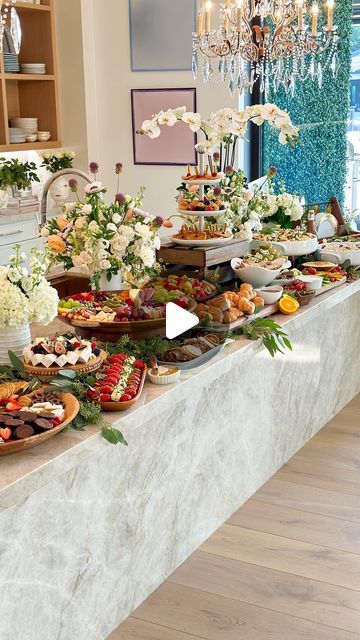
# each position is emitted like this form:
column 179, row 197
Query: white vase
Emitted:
column 13, row 339
column 115, row 284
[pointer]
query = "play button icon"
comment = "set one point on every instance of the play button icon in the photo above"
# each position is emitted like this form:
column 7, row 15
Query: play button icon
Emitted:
column 178, row 320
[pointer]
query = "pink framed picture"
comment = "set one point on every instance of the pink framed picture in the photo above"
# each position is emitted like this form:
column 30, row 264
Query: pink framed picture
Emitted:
column 175, row 145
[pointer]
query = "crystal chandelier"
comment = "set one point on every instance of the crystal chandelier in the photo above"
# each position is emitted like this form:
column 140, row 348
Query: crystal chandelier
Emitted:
column 4, row 12
column 274, row 42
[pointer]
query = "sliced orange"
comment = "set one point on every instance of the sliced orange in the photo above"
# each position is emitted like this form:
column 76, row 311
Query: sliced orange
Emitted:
column 288, row 305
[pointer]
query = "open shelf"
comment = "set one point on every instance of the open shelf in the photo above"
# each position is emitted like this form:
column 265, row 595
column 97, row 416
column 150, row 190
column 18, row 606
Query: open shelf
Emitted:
column 32, row 95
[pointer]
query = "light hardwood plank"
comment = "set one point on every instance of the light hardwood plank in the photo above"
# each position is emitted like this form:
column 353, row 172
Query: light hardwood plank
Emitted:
column 309, row 599
column 291, row 556
column 133, row 629
column 215, row 618
column 323, row 476
column 322, row 501
column 328, row 454
column 299, row 525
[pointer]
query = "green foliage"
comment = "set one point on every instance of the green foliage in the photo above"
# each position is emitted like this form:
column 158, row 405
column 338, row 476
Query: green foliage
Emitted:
column 21, row 174
column 143, row 349
column 273, row 337
column 317, row 168
column 57, row 162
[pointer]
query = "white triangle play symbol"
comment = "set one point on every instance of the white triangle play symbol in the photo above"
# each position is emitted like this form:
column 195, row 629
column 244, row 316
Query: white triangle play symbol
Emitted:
column 178, row 320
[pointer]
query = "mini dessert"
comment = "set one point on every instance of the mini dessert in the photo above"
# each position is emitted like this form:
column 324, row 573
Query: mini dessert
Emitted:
column 61, row 352
column 193, row 232
column 196, row 205
column 196, row 175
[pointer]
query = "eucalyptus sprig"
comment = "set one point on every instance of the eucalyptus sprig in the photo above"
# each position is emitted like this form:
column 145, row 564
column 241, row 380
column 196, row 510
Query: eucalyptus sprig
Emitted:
column 274, row 339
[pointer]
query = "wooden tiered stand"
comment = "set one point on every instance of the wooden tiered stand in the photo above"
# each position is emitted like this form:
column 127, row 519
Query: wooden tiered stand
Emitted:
column 200, row 258
column 26, row 95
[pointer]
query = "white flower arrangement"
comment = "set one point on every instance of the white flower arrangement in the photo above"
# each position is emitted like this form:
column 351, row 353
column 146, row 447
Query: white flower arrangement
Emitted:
column 26, row 296
column 101, row 239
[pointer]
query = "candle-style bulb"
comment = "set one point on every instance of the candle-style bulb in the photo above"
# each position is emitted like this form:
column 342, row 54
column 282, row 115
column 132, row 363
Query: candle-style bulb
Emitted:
column 330, row 8
column 314, row 18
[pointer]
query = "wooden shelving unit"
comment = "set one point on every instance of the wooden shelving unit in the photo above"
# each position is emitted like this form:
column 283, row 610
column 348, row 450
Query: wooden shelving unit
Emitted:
column 28, row 96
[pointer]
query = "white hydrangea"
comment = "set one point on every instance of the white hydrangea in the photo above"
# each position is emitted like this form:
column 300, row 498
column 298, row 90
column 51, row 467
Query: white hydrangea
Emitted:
column 14, row 307
column 43, row 304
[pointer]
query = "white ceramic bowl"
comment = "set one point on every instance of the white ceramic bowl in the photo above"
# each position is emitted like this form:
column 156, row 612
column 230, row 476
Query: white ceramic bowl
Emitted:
column 161, row 380
column 31, row 138
column 295, row 248
column 338, row 257
column 271, row 294
column 255, row 275
column 313, row 283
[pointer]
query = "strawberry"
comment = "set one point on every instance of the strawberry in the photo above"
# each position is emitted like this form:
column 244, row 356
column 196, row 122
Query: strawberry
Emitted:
column 55, row 421
column 13, row 406
column 105, row 397
column 92, row 394
column 138, row 364
column 94, row 345
column 5, row 433
column 106, row 389
column 77, row 344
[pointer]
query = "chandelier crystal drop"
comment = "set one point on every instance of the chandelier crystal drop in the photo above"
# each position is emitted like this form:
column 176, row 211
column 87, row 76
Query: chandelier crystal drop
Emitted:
column 276, row 43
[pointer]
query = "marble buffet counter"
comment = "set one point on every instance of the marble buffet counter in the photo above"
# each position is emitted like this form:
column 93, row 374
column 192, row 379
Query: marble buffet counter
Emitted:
column 89, row 530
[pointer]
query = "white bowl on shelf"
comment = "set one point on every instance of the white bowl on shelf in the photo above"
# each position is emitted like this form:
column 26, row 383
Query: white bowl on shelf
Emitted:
column 313, row 283
column 271, row 294
column 255, row 275
column 43, row 136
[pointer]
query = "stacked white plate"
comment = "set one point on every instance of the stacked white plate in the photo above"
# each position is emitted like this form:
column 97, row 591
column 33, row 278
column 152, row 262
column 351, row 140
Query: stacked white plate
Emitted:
column 37, row 68
column 27, row 125
column 11, row 63
column 16, row 135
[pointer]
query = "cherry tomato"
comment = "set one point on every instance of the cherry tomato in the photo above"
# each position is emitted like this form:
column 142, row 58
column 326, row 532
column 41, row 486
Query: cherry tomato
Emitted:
column 105, row 397
column 106, row 389
column 125, row 397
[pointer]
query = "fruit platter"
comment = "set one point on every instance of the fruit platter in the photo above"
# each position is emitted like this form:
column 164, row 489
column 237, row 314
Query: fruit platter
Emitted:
column 173, row 286
column 45, row 357
column 194, row 351
column 108, row 314
column 293, row 242
column 29, row 418
column 119, row 382
column 191, row 235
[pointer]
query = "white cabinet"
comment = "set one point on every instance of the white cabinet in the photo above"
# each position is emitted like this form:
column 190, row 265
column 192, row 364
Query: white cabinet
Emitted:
column 24, row 233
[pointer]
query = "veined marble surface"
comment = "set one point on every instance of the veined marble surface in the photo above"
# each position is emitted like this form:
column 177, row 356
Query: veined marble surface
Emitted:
column 88, row 530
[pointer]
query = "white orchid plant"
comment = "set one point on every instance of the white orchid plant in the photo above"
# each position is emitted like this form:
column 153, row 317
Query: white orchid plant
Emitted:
column 101, row 239
column 223, row 129
column 25, row 295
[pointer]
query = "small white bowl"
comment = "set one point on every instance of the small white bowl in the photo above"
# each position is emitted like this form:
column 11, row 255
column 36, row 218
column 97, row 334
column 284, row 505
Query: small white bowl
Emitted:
column 271, row 294
column 169, row 379
column 31, row 138
column 313, row 283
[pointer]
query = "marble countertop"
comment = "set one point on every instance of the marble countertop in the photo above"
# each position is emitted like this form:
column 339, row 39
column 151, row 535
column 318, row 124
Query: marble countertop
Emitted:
column 23, row 473
column 7, row 217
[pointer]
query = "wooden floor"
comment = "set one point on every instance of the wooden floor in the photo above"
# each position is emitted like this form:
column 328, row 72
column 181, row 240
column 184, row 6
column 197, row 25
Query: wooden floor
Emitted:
column 286, row 566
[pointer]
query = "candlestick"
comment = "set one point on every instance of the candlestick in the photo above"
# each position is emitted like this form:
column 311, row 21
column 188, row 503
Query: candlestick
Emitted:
column 239, row 14
column 200, row 23
column 315, row 12
column 330, row 6
column 208, row 17
column 300, row 15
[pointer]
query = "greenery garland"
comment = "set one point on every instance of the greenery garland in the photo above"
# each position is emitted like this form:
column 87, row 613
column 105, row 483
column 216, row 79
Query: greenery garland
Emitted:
column 317, row 167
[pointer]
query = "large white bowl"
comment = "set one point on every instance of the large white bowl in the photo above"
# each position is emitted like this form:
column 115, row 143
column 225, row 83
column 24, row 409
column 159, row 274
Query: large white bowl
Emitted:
column 255, row 275
column 338, row 257
column 295, row 248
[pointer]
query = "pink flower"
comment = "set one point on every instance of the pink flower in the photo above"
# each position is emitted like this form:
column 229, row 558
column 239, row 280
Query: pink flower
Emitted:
column 94, row 167
column 118, row 168
column 216, row 157
column 120, row 198
column 272, row 171
column 248, row 195
column 159, row 221
column 217, row 191
column 93, row 187
column 73, row 184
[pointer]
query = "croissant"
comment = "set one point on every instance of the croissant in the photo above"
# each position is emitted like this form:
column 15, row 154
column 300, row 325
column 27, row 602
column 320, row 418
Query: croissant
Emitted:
column 230, row 316
column 246, row 287
column 258, row 301
column 221, row 303
column 229, row 295
column 246, row 306
column 216, row 314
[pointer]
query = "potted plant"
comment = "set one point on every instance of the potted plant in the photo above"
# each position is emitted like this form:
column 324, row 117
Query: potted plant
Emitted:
column 17, row 175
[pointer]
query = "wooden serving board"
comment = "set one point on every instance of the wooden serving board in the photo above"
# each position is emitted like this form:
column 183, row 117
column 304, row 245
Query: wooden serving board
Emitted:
column 50, row 372
column 331, row 286
column 122, row 406
column 268, row 310
column 71, row 406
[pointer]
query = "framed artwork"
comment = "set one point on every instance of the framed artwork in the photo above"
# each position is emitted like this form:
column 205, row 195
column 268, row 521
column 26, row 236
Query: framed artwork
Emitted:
column 176, row 145
column 161, row 34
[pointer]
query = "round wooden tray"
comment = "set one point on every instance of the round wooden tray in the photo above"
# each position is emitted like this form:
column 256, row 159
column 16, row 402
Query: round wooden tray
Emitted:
column 51, row 372
column 71, row 411
column 122, row 406
column 111, row 331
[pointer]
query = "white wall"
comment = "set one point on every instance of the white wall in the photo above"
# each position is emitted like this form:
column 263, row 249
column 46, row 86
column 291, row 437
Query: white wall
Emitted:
column 108, row 82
